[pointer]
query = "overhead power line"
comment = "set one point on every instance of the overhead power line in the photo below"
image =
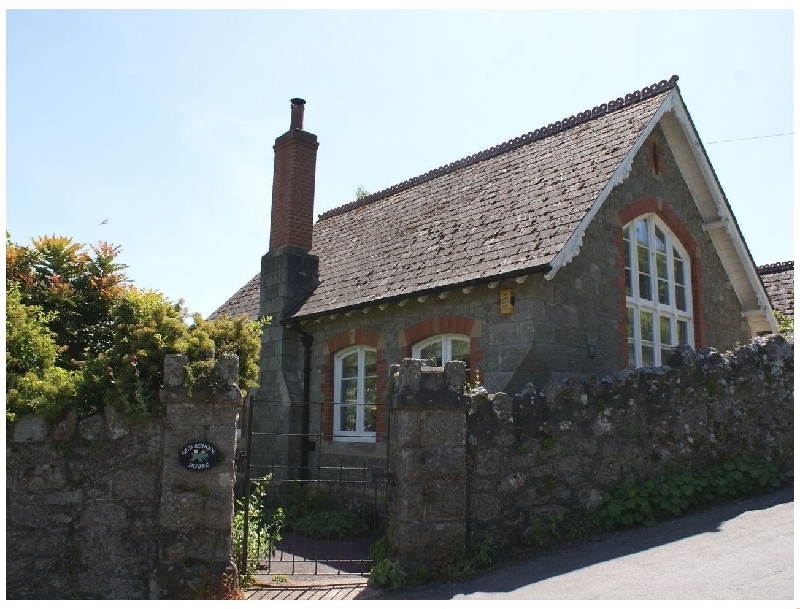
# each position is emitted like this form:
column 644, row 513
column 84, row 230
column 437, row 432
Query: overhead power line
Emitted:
column 741, row 139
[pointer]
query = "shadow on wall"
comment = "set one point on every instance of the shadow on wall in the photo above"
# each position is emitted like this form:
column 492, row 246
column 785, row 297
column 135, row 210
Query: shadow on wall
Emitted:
column 532, row 369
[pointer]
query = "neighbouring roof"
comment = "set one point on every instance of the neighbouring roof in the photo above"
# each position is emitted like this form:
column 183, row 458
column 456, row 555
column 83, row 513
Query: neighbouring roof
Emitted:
column 520, row 207
column 778, row 279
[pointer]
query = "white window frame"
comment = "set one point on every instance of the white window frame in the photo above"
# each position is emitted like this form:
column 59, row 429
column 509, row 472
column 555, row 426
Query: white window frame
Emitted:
column 637, row 305
column 359, row 435
column 447, row 345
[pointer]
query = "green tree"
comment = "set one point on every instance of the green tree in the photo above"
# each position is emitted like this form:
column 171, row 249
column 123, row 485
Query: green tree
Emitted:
column 79, row 334
column 75, row 285
column 34, row 383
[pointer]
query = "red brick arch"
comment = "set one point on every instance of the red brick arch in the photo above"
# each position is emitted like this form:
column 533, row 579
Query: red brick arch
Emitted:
column 446, row 324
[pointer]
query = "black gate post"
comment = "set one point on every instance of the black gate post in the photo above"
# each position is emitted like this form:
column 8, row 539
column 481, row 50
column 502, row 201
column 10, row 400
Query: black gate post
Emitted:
column 248, row 458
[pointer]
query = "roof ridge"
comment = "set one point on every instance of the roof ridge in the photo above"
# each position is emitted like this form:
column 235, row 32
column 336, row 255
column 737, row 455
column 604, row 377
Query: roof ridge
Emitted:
column 517, row 142
column 776, row 267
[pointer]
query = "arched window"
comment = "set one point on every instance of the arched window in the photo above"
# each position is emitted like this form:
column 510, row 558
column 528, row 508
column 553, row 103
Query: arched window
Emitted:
column 443, row 348
column 658, row 292
column 355, row 394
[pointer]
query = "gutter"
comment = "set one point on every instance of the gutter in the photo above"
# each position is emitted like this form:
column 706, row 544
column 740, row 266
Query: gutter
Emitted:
column 307, row 340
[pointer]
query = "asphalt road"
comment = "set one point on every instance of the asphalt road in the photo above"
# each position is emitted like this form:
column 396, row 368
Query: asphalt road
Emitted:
column 740, row 551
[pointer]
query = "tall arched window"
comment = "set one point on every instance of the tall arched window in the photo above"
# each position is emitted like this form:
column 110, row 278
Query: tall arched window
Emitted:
column 658, row 290
column 355, row 394
column 443, row 348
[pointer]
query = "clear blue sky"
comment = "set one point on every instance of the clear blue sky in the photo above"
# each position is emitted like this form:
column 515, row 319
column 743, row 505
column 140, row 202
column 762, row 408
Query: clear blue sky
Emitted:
column 163, row 121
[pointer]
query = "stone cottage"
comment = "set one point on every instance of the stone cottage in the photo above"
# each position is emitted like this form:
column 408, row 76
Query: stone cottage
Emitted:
column 586, row 246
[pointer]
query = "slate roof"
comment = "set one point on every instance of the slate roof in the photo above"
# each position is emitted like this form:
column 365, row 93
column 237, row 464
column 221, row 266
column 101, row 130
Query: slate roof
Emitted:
column 244, row 302
column 506, row 211
column 778, row 280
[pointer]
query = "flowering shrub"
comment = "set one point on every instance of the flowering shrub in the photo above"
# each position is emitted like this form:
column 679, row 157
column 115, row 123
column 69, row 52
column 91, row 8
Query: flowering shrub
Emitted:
column 80, row 335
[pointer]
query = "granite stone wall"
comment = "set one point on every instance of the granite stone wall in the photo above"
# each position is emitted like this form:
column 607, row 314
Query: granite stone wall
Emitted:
column 114, row 508
column 557, row 448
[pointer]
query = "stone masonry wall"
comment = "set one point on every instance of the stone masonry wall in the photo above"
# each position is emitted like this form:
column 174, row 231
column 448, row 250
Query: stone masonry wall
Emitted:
column 102, row 508
column 559, row 448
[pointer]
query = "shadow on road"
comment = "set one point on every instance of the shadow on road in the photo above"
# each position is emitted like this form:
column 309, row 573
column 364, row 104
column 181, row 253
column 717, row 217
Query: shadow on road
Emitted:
column 508, row 576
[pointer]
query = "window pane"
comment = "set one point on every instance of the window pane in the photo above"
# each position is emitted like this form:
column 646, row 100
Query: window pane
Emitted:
column 347, row 418
column 683, row 333
column 646, row 321
column 370, row 390
column 666, row 331
column 370, row 418
column 630, row 324
column 661, row 267
column 350, row 366
column 432, row 351
column 661, row 242
column 663, row 291
column 631, row 342
column 641, row 232
column 680, row 297
column 647, row 355
column 678, row 267
column 628, row 272
column 680, row 280
column 460, row 351
column 665, row 328
column 349, row 391
column 370, row 363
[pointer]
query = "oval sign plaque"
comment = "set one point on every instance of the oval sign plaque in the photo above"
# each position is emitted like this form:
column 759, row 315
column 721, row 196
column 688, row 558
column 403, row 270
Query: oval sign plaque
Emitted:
column 199, row 456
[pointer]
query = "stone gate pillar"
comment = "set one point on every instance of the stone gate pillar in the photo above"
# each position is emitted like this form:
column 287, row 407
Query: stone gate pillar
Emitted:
column 427, row 461
column 196, row 505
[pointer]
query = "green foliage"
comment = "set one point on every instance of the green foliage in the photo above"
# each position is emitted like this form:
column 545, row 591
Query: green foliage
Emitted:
column 378, row 550
column 649, row 501
column 545, row 529
column 227, row 336
column 34, row 381
column 80, row 335
column 323, row 512
column 474, row 382
column 454, row 566
column 77, row 284
column 668, row 496
column 785, row 323
column 386, row 573
column 264, row 531
column 329, row 524
column 361, row 192
column 548, row 442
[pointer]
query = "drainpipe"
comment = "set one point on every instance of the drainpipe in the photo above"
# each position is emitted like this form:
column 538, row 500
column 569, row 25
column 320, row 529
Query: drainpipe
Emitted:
column 307, row 341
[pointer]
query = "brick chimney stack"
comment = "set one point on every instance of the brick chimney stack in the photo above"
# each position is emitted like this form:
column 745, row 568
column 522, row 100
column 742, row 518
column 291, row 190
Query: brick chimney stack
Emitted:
column 293, row 184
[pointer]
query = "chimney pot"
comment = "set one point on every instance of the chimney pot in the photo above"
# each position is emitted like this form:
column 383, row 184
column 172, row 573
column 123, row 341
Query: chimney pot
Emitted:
column 298, row 106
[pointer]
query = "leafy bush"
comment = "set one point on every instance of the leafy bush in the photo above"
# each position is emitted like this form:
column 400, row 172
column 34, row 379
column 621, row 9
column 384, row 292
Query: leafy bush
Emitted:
column 387, row 573
column 80, row 335
column 34, row 382
column 330, row 524
column 264, row 531
column 667, row 496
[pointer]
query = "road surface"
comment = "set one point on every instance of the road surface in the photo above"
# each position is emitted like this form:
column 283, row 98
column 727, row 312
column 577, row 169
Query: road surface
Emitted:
column 740, row 551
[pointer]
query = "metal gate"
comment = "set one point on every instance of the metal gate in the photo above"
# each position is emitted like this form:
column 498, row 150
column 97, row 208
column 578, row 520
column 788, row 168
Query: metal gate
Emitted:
column 332, row 512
